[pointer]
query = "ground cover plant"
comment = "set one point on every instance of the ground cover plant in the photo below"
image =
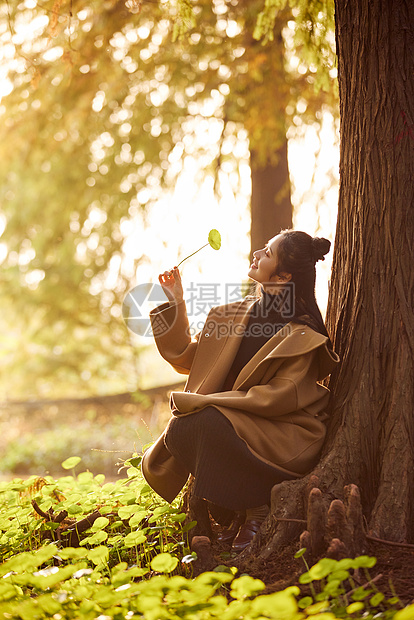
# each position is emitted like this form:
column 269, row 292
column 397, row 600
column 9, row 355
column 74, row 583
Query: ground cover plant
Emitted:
column 132, row 560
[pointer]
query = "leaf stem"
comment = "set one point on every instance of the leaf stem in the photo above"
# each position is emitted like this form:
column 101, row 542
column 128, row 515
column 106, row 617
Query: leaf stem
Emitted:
column 192, row 254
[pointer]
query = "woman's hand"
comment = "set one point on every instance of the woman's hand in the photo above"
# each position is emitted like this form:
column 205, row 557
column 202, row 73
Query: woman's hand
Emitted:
column 171, row 285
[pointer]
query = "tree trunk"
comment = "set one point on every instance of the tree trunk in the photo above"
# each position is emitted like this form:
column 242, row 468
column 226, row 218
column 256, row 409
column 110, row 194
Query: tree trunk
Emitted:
column 265, row 121
column 370, row 311
column 271, row 209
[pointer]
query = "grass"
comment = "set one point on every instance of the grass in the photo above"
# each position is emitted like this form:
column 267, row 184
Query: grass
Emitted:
column 39, row 443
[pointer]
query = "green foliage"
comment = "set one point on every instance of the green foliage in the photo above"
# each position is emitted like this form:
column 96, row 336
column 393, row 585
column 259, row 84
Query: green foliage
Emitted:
column 134, row 562
column 164, row 563
column 71, row 462
column 314, row 27
column 184, row 19
column 105, row 108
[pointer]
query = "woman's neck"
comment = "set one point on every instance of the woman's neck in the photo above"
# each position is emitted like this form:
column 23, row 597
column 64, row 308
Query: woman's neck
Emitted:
column 271, row 303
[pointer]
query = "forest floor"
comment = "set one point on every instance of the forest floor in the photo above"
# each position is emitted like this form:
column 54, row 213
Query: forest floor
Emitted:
column 102, row 429
column 393, row 572
column 392, row 575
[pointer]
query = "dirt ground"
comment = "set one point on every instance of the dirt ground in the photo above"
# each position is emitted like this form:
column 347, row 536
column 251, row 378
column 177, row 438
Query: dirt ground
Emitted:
column 393, row 572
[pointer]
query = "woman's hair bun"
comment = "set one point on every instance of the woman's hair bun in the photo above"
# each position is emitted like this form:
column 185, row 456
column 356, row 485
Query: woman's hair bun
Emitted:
column 320, row 247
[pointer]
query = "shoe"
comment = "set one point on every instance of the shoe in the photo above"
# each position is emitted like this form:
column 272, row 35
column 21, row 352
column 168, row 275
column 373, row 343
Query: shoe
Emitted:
column 245, row 535
column 228, row 534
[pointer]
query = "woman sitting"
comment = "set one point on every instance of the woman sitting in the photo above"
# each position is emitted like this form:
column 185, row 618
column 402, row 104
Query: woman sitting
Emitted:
column 252, row 411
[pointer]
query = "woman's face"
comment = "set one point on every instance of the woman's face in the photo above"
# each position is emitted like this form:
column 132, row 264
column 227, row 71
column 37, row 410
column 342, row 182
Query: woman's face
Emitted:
column 264, row 264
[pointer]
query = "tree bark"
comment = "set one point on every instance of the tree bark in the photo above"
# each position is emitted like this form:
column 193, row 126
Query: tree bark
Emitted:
column 266, row 123
column 370, row 310
column 370, row 316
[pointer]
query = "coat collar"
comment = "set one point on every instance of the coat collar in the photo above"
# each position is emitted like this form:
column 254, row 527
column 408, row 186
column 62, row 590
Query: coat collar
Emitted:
column 293, row 339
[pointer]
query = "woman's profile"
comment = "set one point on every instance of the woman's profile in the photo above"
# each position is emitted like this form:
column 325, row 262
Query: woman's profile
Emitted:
column 253, row 409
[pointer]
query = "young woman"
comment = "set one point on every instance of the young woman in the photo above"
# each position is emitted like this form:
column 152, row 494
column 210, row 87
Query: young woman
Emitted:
column 252, row 411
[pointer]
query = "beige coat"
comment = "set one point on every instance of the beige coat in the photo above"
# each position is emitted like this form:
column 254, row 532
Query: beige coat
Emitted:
column 276, row 404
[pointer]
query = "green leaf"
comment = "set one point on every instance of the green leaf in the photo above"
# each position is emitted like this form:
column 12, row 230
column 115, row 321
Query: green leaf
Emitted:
column 299, row 553
column 136, row 518
column 332, row 588
column 125, row 512
column 246, row 586
column 49, row 577
column 178, row 518
column 345, row 564
column 164, row 563
column 72, row 553
column 317, row 608
column 355, row 607
column 360, row 594
column 364, row 561
column 134, row 461
column 405, row 614
column 214, row 239
column 377, row 599
column 99, row 555
column 305, row 578
column 46, row 504
column 49, row 605
column 189, row 526
column 134, row 538
column 339, row 575
column 305, row 602
column 323, row 568
column 277, row 605
column 45, row 553
column 99, row 524
column 71, row 462
column 8, row 591
column 113, row 540
column 96, row 538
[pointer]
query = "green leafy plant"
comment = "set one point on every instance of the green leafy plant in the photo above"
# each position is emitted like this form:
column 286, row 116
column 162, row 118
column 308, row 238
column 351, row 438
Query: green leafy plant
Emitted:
column 133, row 561
column 334, row 588
column 214, row 240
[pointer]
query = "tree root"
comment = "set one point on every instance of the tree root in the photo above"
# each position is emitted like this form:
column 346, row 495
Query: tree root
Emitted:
column 69, row 530
column 205, row 559
column 333, row 528
column 390, row 542
column 337, row 532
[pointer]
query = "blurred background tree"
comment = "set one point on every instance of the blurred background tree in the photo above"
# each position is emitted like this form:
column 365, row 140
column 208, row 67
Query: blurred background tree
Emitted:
column 106, row 101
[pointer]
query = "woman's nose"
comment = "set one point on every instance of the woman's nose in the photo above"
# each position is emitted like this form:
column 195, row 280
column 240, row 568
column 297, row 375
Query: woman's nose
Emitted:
column 256, row 253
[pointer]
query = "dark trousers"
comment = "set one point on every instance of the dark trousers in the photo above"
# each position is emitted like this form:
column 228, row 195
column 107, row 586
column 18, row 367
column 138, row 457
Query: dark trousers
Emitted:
column 225, row 471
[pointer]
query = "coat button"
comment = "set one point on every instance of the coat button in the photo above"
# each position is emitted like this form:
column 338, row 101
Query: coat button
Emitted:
column 207, row 335
column 189, row 391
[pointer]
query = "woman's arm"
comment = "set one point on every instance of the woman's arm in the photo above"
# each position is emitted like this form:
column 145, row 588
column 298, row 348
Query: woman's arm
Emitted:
column 170, row 324
column 293, row 387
